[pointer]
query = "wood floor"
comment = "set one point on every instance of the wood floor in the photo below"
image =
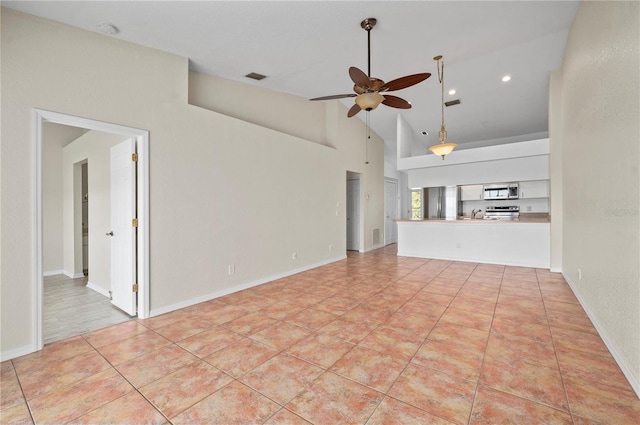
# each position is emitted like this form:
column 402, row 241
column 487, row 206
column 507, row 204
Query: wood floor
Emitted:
column 70, row 308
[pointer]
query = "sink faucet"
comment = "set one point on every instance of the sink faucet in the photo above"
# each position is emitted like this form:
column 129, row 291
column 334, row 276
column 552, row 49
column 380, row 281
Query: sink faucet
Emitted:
column 474, row 212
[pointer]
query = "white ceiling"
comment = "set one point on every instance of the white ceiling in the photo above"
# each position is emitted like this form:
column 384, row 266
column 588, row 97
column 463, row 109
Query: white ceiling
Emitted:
column 306, row 47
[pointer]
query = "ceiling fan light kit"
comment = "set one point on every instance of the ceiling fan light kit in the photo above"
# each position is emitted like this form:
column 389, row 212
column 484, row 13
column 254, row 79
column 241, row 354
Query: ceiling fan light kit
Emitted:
column 443, row 148
column 370, row 91
column 369, row 101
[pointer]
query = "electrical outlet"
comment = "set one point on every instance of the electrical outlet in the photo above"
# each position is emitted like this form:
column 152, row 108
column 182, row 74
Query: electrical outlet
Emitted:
column 232, row 269
column 294, row 256
column 330, row 247
column 579, row 274
column 529, row 208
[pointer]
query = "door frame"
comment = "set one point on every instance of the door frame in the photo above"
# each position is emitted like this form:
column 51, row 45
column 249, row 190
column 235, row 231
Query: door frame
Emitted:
column 396, row 207
column 351, row 175
column 142, row 142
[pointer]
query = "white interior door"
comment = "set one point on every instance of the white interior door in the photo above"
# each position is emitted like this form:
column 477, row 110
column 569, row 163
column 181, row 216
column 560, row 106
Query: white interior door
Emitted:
column 353, row 214
column 122, row 232
column 390, row 212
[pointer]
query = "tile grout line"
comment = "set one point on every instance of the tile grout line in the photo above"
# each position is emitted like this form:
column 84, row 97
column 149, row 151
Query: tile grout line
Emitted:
column 386, row 394
column 112, row 366
column 555, row 351
column 24, row 396
column 486, row 347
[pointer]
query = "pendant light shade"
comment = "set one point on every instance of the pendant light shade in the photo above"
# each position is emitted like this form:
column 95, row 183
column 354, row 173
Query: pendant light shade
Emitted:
column 443, row 148
column 369, row 101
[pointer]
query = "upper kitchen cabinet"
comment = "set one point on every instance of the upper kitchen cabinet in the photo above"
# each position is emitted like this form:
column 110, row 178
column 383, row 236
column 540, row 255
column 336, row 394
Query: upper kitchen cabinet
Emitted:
column 474, row 192
column 534, row 189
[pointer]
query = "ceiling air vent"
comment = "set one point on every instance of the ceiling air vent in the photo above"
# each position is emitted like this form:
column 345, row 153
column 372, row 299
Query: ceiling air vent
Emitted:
column 452, row 102
column 255, row 76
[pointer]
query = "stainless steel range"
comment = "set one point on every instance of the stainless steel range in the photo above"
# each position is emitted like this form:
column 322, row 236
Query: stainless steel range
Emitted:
column 502, row 213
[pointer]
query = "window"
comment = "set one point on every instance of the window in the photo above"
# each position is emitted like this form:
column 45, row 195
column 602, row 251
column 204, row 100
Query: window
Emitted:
column 416, row 204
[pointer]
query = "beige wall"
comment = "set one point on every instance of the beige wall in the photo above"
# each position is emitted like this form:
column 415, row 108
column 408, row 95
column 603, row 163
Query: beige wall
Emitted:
column 222, row 190
column 600, row 98
column 293, row 115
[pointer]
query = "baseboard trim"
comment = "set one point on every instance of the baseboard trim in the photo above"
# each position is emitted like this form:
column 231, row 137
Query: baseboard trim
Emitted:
column 373, row 248
column 12, row 354
column 474, row 260
column 99, row 289
column 635, row 384
column 72, row 275
column 218, row 294
column 53, row 273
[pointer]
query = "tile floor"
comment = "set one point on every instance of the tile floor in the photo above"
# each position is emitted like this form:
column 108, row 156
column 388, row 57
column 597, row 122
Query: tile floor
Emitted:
column 71, row 308
column 375, row 339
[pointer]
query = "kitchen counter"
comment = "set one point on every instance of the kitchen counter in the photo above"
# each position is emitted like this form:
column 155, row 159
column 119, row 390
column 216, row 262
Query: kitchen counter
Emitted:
column 524, row 242
column 524, row 218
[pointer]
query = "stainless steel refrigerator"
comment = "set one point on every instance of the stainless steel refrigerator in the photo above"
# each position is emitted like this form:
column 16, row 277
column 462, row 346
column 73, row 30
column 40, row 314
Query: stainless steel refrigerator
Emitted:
column 442, row 202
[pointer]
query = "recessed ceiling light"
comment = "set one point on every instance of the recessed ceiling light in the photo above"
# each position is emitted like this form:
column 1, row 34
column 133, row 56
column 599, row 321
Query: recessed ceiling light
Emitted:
column 506, row 78
column 452, row 91
column 107, row 28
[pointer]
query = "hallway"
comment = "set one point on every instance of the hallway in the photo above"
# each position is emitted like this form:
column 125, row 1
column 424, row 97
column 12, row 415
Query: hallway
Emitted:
column 70, row 308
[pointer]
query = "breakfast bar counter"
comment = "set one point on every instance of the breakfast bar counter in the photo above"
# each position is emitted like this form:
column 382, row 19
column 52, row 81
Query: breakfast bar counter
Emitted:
column 524, row 242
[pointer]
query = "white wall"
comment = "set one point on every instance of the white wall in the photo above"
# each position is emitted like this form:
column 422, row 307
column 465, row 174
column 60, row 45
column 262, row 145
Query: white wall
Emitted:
column 94, row 148
column 600, row 96
column 54, row 137
column 222, row 190
column 555, row 169
column 480, row 172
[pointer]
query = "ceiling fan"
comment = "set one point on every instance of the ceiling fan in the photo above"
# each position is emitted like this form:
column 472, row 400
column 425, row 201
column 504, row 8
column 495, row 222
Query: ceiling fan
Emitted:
column 370, row 91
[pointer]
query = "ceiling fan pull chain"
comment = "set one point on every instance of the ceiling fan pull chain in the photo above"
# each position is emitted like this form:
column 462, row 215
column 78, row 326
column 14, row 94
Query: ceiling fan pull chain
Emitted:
column 440, row 66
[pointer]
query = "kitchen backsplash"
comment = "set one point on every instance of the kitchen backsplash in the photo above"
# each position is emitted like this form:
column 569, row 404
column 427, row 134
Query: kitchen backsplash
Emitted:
column 532, row 205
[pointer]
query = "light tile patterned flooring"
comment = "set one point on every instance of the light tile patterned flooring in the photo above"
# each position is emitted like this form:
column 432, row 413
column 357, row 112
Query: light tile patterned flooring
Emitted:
column 375, row 339
column 70, row 308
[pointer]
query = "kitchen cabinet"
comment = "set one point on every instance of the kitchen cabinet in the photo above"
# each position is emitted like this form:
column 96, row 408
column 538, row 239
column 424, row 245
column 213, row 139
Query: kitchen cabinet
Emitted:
column 534, row 189
column 474, row 192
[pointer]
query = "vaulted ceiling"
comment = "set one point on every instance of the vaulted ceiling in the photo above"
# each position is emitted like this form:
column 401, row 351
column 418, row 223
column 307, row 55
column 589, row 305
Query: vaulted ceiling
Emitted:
column 305, row 48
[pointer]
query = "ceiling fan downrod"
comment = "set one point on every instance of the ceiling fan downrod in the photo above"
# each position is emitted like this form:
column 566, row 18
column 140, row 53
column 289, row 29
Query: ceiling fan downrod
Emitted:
column 368, row 25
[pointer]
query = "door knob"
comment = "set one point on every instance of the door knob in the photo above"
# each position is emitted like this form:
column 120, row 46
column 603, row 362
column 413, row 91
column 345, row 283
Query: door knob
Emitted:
column 110, row 233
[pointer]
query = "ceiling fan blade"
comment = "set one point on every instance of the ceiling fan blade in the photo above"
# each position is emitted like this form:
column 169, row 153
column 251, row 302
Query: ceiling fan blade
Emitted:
column 335, row 96
column 395, row 102
column 359, row 77
column 354, row 110
column 404, row 82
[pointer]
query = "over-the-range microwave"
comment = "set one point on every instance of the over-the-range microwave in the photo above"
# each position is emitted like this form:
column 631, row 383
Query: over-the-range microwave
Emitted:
column 501, row 191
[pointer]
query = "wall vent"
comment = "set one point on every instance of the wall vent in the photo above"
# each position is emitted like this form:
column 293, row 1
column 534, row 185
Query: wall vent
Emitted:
column 452, row 102
column 255, row 76
column 376, row 236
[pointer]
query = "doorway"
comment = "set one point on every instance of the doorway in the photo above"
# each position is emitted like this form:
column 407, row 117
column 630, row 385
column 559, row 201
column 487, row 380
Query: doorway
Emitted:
column 140, row 191
column 353, row 211
column 390, row 211
column 84, row 200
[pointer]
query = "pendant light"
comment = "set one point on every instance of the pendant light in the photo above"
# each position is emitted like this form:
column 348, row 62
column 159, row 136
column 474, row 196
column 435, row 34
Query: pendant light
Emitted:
column 443, row 148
